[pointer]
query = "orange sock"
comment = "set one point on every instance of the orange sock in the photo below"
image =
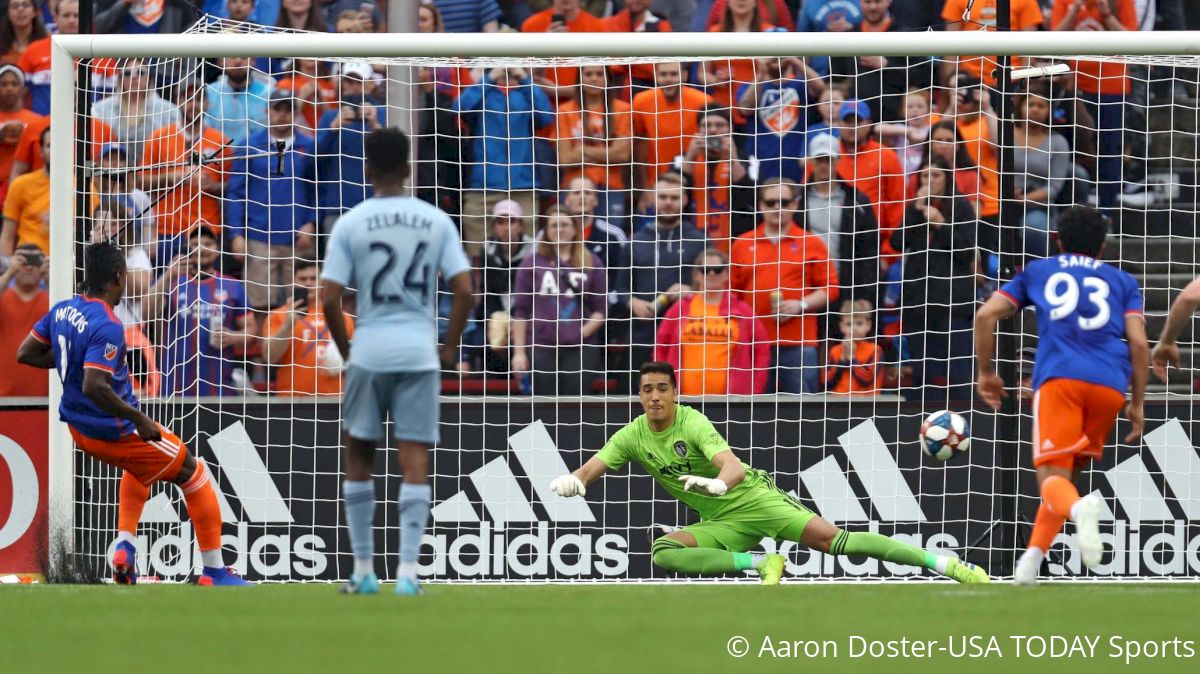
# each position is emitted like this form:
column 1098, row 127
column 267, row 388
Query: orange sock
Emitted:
column 132, row 499
column 203, row 509
column 1059, row 494
column 1045, row 527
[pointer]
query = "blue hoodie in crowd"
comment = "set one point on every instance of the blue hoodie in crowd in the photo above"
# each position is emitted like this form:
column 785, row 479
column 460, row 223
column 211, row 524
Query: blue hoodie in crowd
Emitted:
column 502, row 126
column 267, row 199
column 341, row 163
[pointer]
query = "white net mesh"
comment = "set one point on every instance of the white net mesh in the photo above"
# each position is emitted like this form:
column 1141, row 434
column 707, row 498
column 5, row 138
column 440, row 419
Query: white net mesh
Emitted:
column 805, row 239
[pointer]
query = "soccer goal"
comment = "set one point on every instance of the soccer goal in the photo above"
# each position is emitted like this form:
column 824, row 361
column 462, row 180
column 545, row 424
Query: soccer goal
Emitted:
column 222, row 158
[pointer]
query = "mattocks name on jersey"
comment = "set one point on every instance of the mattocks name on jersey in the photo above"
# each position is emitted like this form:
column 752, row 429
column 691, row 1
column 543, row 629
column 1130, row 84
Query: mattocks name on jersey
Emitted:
column 71, row 316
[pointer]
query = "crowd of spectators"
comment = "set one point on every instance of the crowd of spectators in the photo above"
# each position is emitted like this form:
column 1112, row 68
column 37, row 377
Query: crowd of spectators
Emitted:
column 782, row 225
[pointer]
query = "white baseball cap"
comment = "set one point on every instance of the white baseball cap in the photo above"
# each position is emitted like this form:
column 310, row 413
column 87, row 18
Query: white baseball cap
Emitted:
column 360, row 69
column 823, row 145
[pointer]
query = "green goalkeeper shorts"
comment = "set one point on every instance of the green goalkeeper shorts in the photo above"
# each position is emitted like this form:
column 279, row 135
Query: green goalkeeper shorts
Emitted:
column 744, row 528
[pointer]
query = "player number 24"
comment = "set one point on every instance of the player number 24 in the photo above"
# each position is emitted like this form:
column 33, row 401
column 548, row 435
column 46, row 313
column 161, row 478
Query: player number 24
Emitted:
column 1062, row 292
column 417, row 277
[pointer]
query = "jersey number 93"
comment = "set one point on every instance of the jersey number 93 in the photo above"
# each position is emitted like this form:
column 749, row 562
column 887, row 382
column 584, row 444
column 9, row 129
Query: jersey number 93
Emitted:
column 1063, row 293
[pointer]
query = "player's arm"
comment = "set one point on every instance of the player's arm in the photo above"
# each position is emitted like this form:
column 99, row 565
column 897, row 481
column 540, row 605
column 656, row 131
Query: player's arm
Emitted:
column 731, row 473
column 335, row 318
column 997, row 308
column 1167, row 351
column 1139, row 356
column 460, row 308
column 35, row 353
column 97, row 387
column 575, row 484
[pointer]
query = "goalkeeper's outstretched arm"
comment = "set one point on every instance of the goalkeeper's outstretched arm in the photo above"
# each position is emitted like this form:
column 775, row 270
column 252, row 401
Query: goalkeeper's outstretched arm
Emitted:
column 576, row 483
column 730, row 475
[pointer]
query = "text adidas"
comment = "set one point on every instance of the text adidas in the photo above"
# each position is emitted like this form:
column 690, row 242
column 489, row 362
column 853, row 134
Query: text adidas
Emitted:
column 268, row 555
column 490, row 552
column 1163, row 550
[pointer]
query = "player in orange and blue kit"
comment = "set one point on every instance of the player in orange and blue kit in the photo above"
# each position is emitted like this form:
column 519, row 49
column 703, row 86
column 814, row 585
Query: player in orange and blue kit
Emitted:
column 85, row 342
column 1091, row 344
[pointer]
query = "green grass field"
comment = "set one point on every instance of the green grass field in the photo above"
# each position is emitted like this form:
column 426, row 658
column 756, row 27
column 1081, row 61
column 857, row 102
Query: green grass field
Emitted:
column 573, row 629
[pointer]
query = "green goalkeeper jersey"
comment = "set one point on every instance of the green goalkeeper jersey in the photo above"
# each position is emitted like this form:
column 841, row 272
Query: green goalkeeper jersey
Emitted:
column 685, row 448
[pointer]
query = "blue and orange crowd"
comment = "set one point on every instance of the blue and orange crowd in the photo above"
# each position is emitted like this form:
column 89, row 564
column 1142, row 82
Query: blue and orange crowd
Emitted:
column 791, row 225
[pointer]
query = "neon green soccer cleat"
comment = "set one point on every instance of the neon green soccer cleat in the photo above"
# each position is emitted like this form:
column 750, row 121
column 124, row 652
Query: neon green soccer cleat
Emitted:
column 770, row 569
column 966, row 572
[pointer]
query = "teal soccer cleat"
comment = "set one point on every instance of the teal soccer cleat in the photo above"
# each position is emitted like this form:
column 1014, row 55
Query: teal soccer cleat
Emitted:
column 368, row 584
column 408, row 587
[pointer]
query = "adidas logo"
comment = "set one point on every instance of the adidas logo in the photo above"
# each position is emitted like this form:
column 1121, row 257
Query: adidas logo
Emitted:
column 243, row 470
column 501, row 495
column 464, row 545
column 873, row 463
column 1135, row 490
column 1047, row 445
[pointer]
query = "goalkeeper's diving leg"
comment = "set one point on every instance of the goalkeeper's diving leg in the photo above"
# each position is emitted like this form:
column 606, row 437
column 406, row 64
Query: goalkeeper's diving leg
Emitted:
column 718, row 547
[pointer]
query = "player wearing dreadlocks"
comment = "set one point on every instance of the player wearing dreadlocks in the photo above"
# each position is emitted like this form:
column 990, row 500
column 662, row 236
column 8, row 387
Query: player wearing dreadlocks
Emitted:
column 84, row 340
column 738, row 505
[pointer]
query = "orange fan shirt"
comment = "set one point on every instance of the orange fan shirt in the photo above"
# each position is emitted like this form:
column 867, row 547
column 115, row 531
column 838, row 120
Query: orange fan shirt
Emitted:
column 864, row 376
column 17, row 318
column 12, row 129
column 793, row 265
column 982, row 149
column 324, row 96
column 29, row 149
column 570, row 127
column 665, row 125
column 185, row 205
column 300, row 371
column 706, row 343
column 622, row 22
column 28, row 204
column 1023, row 14
column 1098, row 76
column 583, row 23
column 876, row 171
column 710, row 194
column 740, row 73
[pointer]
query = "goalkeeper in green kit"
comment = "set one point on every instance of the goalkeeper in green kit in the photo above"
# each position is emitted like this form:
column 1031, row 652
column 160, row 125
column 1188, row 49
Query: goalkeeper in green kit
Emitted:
column 738, row 505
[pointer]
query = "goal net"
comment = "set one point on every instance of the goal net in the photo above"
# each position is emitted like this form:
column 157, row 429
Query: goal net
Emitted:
column 806, row 238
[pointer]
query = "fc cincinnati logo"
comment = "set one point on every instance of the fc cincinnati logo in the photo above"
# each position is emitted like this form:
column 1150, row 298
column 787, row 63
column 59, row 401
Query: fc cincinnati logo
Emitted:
column 681, row 448
column 110, row 351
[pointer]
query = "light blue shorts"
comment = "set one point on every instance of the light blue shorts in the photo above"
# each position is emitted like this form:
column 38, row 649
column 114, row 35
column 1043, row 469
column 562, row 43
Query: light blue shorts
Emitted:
column 412, row 398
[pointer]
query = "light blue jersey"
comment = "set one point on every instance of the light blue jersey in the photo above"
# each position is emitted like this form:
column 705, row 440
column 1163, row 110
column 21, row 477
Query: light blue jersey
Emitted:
column 391, row 249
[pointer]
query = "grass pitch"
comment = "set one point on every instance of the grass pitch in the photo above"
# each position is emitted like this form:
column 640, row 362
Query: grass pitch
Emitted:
column 588, row 628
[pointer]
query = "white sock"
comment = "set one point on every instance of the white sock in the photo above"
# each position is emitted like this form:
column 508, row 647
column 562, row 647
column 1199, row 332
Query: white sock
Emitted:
column 212, row 558
column 941, row 563
column 756, row 559
column 407, row 570
column 362, row 567
column 126, row 537
column 1034, row 554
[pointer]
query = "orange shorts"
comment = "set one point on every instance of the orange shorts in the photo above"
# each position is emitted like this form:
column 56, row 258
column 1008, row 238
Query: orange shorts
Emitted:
column 147, row 460
column 1071, row 421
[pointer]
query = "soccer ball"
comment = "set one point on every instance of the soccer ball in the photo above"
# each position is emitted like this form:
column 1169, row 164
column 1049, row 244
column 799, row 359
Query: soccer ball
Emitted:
column 945, row 435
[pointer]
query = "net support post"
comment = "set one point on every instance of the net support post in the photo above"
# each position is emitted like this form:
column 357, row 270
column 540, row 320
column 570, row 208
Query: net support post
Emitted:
column 62, row 217
column 1011, row 251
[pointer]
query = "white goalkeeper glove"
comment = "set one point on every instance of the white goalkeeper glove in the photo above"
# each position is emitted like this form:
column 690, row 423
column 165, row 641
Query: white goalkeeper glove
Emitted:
column 568, row 485
column 713, row 486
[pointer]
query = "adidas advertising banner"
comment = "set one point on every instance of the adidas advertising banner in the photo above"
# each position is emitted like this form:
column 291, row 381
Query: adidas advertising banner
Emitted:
column 494, row 517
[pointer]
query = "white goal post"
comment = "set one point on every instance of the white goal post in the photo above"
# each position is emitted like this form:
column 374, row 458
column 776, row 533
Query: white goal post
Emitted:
column 1173, row 49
